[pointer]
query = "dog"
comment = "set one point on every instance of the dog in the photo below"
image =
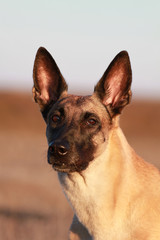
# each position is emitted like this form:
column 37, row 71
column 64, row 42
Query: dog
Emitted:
column 114, row 193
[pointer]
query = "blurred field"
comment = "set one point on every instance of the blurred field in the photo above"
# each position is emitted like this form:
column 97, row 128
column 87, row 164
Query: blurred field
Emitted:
column 32, row 205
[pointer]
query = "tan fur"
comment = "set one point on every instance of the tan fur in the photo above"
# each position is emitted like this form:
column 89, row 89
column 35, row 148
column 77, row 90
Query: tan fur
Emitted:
column 117, row 196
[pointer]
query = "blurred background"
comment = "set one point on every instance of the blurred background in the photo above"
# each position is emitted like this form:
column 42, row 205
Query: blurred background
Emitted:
column 83, row 37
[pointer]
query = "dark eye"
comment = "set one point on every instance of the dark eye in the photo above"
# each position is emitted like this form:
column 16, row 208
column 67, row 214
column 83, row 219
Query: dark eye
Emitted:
column 91, row 122
column 55, row 118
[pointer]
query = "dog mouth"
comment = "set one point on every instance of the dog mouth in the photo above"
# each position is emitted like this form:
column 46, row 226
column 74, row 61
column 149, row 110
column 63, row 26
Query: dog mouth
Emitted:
column 68, row 166
column 63, row 168
column 62, row 163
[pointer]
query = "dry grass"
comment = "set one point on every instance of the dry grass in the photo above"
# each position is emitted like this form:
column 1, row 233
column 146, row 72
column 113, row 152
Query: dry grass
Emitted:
column 32, row 205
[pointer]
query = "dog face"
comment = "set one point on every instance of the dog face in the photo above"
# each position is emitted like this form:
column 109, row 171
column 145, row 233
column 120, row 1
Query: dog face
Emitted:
column 75, row 132
column 78, row 126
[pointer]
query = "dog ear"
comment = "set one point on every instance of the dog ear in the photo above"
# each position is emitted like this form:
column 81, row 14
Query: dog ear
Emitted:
column 49, row 83
column 114, row 87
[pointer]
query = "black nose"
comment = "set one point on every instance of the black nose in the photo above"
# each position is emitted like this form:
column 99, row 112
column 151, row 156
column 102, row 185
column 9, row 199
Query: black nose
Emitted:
column 60, row 149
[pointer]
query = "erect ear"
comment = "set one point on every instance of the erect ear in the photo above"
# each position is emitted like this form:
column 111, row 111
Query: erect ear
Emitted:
column 113, row 89
column 49, row 83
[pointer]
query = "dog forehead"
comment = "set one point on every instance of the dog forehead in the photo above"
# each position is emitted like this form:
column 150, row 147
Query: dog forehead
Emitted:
column 74, row 103
column 78, row 101
column 75, row 100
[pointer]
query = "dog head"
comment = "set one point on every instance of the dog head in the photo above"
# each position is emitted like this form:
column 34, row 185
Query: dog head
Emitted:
column 78, row 126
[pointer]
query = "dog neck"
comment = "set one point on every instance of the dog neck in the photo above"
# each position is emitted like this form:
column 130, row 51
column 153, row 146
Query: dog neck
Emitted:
column 94, row 202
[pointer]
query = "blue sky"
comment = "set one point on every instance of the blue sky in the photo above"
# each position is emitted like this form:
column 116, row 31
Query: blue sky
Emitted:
column 83, row 37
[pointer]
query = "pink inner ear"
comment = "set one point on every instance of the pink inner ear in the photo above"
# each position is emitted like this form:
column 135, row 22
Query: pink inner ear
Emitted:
column 46, row 84
column 114, row 86
column 43, row 80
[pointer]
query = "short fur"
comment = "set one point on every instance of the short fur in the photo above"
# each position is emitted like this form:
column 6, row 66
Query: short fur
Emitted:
column 114, row 193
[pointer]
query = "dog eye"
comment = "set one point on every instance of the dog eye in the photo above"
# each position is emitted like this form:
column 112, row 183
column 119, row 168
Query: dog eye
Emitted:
column 55, row 118
column 91, row 122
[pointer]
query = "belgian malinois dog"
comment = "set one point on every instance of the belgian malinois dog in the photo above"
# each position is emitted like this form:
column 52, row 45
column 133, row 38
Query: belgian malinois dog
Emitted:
column 114, row 193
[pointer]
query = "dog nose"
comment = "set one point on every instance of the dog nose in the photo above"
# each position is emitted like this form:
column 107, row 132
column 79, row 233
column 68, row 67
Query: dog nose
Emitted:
column 59, row 148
